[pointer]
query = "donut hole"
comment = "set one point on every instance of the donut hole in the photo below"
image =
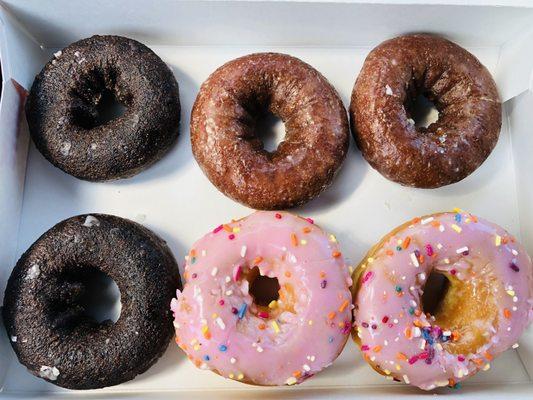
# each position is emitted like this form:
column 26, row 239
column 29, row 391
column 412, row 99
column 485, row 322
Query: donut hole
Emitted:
column 263, row 289
column 465, row 308
column 101, row 298
column 108, row 108
column 435, row 290
column 85, row 296
column 270, row 130
column 97, row 100
column 421, row 109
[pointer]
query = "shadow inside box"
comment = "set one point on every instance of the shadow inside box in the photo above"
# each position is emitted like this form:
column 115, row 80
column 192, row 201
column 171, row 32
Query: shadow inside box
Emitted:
column 178, row 249
column 348, row 179
column 172, row 357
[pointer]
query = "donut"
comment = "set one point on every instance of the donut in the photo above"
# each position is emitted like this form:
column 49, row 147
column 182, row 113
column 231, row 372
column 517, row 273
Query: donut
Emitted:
column 224, row 138
column 66, row 105
column 382, row 105
column 266, row 300
column 441, row 296
column 47, row 321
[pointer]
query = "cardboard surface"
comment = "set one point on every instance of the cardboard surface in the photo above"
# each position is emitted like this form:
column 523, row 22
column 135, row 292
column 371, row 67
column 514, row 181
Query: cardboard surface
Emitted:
column 176, row 200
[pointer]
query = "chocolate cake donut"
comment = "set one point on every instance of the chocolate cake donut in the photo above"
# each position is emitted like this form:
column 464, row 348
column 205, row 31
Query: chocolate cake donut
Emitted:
column 47, row 320
column 463, row 92
column 224, row 138
column 64, row 108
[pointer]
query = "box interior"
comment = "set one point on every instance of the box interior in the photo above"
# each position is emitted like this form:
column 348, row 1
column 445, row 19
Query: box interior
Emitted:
column 176, row 200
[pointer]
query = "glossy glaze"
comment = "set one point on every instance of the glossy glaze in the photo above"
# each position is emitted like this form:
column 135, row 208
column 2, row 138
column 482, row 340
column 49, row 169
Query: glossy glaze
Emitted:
column 221, row 328
column 486, row 308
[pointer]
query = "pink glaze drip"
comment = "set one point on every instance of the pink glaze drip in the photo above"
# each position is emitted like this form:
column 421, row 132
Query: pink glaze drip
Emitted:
column 220, row 327
column 392, row 285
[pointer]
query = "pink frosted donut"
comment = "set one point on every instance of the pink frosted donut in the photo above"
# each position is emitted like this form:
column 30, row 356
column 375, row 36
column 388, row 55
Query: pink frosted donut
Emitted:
column 429, row 340
column 266, row 300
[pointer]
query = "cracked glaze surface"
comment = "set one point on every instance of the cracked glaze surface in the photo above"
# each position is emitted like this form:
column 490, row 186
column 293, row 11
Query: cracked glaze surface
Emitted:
column 463, row 92
column 486, row 308
column 226, row 146
column 221, row 328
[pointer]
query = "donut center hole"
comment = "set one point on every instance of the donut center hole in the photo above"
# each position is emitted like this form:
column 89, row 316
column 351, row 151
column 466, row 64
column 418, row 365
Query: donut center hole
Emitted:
column 435, row 291
column 422, row 111
column 270, row 130
column 85, row 297
column 98, row 100
column 263, row 289
column 108, row 108
column 101, row 298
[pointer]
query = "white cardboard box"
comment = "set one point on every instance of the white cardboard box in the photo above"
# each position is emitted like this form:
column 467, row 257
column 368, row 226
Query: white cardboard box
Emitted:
column 176, row 200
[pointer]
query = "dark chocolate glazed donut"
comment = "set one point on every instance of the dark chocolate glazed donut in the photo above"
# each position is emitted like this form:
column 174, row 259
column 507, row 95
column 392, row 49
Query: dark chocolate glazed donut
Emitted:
column 226, row 146
column 64, row 117
column 463, row 92
column 45, row 317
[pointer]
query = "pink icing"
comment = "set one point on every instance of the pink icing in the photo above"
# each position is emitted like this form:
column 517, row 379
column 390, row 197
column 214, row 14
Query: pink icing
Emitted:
column 392, row 284
column 220, row 327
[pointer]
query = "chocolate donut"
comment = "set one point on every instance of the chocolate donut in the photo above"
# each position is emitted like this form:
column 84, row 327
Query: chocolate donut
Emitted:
column 45, row 318
column 463, row 92
column 65, row 117
column 225, row 142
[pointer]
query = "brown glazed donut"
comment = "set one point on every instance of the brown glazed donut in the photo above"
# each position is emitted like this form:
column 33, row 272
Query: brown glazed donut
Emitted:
column 462, row 90
column 225, row 143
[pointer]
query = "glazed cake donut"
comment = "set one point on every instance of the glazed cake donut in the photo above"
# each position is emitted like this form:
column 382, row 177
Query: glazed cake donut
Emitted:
column 45, row 312
column 266, row 300
column 224, row 137
column 462, row 90
column 486, row 300
column 67, row 100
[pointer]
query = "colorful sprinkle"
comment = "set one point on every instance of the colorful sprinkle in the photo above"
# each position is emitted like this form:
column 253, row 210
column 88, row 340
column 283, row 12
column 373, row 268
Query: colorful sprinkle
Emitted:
column 414, row 259
column 242, row 310
column 463, row 250
column 220, row 323
column 367, row 276
column 278, row 216
column 291, row 381
column 217, row 229
column 323, row 284
column 205, row 332
column 275, row 326
column 344, row 305
column 336, row 254
column 456, row 228
column 514, row 267
column 222, row 347
column 294, row 239
column 231, row 236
